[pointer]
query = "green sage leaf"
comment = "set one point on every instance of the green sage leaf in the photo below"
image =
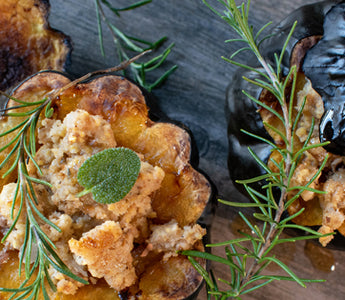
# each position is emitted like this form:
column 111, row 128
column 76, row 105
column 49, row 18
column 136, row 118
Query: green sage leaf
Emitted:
column 110, row 174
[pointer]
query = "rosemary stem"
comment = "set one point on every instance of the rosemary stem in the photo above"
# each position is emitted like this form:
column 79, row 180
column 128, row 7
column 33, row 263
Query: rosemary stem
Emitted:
column 274, row 78
column 283, row 195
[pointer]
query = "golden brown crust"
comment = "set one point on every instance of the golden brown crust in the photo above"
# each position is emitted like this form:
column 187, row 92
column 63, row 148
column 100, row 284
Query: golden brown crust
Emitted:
column 28, row 43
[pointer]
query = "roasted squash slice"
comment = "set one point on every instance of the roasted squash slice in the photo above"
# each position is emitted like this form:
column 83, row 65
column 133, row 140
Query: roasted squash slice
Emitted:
column 28, row 43
column 182, row 196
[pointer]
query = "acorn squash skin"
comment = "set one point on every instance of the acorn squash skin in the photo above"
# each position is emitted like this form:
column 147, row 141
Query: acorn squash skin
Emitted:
column 184, row 194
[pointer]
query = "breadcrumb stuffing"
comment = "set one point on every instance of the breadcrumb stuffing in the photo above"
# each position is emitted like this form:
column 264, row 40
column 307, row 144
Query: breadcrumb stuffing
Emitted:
column 66, row 145
column 331, row 179
column 96, row 240
column 133, row 211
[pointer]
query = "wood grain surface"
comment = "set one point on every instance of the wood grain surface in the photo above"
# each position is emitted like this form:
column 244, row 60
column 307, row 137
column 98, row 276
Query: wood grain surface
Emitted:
column 195, row 95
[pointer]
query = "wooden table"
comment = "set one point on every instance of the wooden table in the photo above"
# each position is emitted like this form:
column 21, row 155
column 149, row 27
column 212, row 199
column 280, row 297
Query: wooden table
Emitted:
column 195, row 95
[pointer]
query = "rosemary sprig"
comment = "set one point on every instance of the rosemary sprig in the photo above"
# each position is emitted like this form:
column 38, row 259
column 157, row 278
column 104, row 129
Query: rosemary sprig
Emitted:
column 125, row 44
column 38, row 252
column 248, row 257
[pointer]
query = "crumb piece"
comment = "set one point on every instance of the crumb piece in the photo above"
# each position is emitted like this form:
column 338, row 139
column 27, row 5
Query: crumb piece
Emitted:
column 333, row 204
column 64, row 284
column 106, row 250
column 303, row 174
column 16, row 237
column 325, row 230
column 171, row 238
column 64, row 222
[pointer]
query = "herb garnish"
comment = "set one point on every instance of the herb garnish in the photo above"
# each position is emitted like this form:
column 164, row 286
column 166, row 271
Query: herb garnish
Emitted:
column 125, row 44
column 248, row 257
column 110, row 174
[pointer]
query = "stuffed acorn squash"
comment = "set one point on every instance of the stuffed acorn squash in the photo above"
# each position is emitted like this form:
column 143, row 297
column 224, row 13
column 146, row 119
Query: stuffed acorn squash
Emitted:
column 317, row 50
column 128, row 249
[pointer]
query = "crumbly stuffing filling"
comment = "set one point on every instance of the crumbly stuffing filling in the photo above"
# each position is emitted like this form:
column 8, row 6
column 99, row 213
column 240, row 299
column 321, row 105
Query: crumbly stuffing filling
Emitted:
column 106, row 250
column 332, row 178
column 96, row 240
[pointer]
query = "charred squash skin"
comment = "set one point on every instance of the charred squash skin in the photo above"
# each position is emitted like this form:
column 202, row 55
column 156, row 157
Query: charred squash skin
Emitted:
column 28, row 43
column 328, row 78
column 242, row 113
column 183, row 195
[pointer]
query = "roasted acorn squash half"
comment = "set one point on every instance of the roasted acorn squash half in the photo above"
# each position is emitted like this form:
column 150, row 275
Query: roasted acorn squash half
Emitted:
column 182, row 196
column 317, row 49
column 28, row 43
